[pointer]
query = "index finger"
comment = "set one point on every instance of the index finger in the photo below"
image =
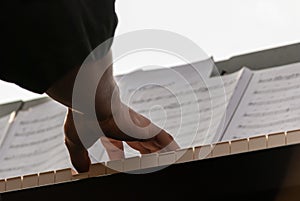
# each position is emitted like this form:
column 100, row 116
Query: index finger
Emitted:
column 163, row 142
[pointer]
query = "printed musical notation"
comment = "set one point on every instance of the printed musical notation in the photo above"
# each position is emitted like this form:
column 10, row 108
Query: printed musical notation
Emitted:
column 35, row 137
column 277, row 90
column 280, row 78
column 270, row 104
column 275, row 101
column 272, row 113
column 189, row 109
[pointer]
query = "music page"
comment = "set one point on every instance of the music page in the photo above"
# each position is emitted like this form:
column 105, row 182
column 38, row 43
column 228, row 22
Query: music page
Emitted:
column 271, row 104
column 188, row 106
column 35, row 142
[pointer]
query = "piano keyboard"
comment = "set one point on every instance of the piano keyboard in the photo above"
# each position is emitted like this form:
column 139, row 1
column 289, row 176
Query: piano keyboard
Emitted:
column 153, row 160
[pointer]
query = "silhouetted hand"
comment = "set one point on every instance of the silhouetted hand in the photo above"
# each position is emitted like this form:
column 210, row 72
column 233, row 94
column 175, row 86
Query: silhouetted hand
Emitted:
column 142, row 140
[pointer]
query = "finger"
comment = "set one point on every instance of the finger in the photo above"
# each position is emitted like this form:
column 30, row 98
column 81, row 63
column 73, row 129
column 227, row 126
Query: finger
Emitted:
column 114, row 148
column 139, row 147
column 128, row 125
column 154, row 145
column 78, row 154
column 138, row 131
column 166, row 141
column 163, row 142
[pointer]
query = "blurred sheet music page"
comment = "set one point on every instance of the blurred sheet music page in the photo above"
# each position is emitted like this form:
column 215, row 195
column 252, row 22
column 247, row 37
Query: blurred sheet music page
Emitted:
column 271, row 103
column 35, row 142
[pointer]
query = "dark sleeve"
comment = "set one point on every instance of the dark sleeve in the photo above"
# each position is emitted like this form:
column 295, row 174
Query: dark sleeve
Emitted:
column 41, row 40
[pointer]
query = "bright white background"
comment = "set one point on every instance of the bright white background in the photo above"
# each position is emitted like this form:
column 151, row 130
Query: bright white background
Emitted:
column 222, row 28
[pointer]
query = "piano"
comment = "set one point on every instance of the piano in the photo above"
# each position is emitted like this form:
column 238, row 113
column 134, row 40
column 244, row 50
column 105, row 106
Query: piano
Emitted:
column 265, row 167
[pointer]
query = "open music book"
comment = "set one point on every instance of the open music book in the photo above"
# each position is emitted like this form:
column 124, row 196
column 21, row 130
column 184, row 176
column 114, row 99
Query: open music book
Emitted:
column 195, row 109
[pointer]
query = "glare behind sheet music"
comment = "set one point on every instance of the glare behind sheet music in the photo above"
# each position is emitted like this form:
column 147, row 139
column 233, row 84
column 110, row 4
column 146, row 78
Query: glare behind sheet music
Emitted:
column 271, row 103
column 35, row 142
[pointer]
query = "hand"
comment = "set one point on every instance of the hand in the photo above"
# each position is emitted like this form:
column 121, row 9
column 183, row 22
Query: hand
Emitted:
column 109, row 121
column 79, row 155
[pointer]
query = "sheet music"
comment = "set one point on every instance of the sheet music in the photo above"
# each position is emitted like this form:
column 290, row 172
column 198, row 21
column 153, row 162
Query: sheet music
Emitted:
column 192, row 106
column 270, row 104
column 35, row 142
